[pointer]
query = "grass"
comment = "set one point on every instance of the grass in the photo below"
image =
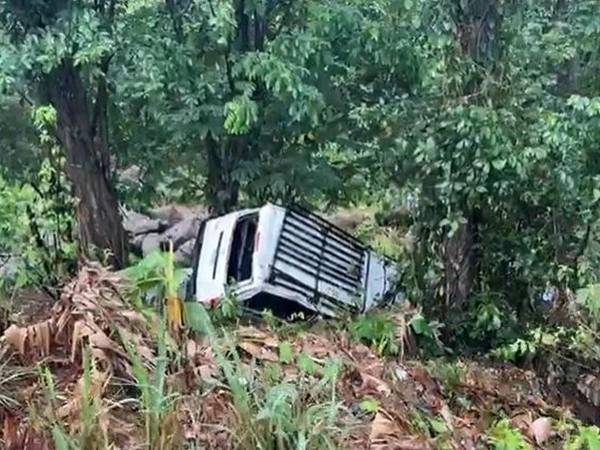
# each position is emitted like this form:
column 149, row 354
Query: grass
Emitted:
column 10, row 376
column 86, row 429
column 503, row 436
column 278, row 416
column 156, row 404
column 291, row 400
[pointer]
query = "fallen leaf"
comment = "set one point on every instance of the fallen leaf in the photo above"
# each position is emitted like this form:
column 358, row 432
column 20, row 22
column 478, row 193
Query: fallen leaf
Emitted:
column 382, row 426
column 259, row 352
column 401, row 373
column 541, row 429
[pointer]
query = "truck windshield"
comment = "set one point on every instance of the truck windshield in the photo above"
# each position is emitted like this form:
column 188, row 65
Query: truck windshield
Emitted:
column 239, row 267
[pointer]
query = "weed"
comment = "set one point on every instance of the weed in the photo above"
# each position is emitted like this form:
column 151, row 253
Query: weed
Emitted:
column 377, row 330
column 86, row 432
column 517, row 350
column 589, row 299
column 503, row 436
column 587, row 438
column 156, row 279
column 286, row 352
column 161, row 427
column 281, row 415
column 9, row 376
column 369, row 405
column 227, row 310
column 449, row 373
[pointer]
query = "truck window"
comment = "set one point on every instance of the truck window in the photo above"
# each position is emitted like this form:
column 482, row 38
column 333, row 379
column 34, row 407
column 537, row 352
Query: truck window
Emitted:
column 239, row 267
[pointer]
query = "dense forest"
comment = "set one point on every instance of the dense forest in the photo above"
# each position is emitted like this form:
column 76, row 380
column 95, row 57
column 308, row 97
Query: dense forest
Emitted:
column 460, row 137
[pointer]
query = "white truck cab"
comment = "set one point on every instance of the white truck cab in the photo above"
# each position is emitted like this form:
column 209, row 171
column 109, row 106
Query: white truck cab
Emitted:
column 288, row 255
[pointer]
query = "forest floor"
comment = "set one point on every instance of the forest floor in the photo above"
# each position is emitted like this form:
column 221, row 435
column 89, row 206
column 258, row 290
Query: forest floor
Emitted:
column 93, row 372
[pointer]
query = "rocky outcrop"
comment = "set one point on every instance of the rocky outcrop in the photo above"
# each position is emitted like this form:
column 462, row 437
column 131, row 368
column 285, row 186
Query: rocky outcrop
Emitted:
column 170, row 223
column 182, row 232
column 136, row 224
column 173, row 214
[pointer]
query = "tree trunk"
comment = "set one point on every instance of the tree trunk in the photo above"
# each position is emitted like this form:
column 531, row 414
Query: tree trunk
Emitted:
column 479, row 22
column 81, row 129
column 460, row 264
column 222, row 190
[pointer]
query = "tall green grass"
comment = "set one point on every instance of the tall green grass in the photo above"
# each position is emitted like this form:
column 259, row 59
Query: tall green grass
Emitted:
column 156, row 404
column 87, row 431
column 304, row 415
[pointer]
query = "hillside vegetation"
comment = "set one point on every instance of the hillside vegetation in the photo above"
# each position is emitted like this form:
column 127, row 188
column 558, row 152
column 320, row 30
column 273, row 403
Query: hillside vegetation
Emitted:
column 458, row 137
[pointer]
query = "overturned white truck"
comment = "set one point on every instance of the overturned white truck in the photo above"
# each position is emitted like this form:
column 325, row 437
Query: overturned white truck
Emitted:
column 279, row 257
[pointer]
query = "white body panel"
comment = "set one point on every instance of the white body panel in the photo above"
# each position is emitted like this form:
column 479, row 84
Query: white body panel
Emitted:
column 296, row 256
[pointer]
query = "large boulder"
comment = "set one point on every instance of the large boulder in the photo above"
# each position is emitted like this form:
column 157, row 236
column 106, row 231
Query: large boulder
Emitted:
column 136, row 223
column 183, row 231
column 151, row 243
column 137, row 241
column 174, row 213
column 131, row 175
column 183, row 255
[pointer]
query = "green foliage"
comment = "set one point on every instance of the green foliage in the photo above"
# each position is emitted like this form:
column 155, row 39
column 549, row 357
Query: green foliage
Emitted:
column 286, row 352
column 369, row 404
column 488, row 321
column 503, row 436
column 281, row 414
column 476, row 155
column 517, row 350
column 90, row 433
column 450, row 373
column 227, row 309
column 156, row 402
column 589, row 298
column 586, row 438
column 36, row 222
column 155, row 277
column 377, row 330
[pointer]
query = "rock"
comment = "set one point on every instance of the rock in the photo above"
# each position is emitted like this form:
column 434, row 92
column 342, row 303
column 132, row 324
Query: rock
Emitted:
column 9, row 266
column 136, row 223
column 151, row 242
column 184, row 253
column 136, row 243
column 541, row 429
column 131, row 175
column 183, row 231
column 173, row 213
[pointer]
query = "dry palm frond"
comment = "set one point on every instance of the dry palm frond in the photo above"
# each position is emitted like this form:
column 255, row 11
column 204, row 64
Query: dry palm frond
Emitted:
column 91, row 312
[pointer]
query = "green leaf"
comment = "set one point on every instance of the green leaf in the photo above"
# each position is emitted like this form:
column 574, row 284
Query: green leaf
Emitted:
column 369, row 404
column 438, row 426
column 420, row 326
column 286, row 352
column 195, row 316
column 306, row 364
column 60, row 438
column 499, row 164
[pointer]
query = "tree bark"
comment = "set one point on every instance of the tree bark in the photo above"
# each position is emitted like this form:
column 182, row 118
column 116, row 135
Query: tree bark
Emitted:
column 222, row 190
column 479, row 22
column 81, row 129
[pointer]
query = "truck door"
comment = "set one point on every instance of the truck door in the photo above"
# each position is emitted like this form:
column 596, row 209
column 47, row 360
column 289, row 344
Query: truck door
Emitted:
column 211, row 269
